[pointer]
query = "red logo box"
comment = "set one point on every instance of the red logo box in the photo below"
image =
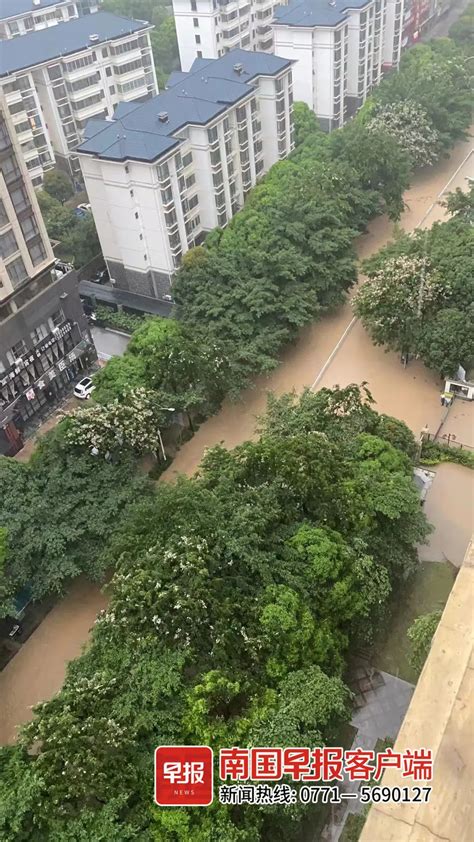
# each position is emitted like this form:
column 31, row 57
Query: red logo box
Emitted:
column 184, row 776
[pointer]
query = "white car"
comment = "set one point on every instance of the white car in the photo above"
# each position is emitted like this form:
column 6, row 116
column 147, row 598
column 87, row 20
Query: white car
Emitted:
column 85, row 207
column 84, row 389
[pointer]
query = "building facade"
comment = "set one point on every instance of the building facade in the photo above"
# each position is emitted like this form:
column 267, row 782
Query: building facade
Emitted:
column 56, row 79
column 19, row 17
column 211, row 28
column 338, row 48
column 162, row 174
column 44, row 338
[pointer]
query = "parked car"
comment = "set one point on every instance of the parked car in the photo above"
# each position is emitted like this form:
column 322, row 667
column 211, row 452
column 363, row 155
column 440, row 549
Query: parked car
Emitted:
column 101, row 277
column 80, row 213
column 84, row 389
column 62, row 267
column 85, row 207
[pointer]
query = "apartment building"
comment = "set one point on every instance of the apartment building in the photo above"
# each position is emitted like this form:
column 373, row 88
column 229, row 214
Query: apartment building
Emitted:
column 56, row 79
column 18, row 17
column 337, row 48
column 162, row 174
column 44, row 338
column 392, row 35
column 211, row 28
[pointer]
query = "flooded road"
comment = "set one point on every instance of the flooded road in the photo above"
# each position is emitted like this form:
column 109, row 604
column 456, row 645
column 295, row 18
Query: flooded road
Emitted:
column 335, row 350
column 37, row 671
column 449, row 506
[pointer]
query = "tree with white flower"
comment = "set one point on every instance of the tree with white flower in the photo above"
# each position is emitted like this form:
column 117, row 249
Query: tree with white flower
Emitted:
column 132, row 423
column 396, row 299
column 411, row 128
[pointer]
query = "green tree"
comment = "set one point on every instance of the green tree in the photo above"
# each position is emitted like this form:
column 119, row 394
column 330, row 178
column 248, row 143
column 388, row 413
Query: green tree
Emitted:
column 130, row 424
column 58, row 219
column 121, row 374
column 462, row 31
column 80, row 244
column 448, row 340
column 397, row 299
column 164, row 44
column 379, row 160
column 436, row 77
column 420, row 635
column 304, row 121
column 58, row 184
column 409, row 125
column 69, row 503
column 6, row 603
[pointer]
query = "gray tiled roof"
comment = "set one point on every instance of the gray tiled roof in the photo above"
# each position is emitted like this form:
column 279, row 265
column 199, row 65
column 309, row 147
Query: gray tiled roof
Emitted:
column 12, row 8
column 310, row 13
column 197, row 97
column 63, row 39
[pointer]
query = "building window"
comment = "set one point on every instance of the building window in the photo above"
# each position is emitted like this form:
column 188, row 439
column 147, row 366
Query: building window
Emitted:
column 212, row 135
column 111, row 90
column 54, row 72
column 136, row 214
column 198, row 39
column 187, row 159
column 108, row 71
column 16, row 271
column 199, row 53
column 196, row 22
column 16, row 351
column 193, row 6
column 8, row 244
column 56, row 318
column 38, row 334
column 3, row 215
column 29, row 227
column 37, row 253
column 20, row 199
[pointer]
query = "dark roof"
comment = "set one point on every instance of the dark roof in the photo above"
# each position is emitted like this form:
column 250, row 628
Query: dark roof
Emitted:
column 115, row 295
column 14, row 8
column 197, row 97
column 64, row 39
column 310, row 13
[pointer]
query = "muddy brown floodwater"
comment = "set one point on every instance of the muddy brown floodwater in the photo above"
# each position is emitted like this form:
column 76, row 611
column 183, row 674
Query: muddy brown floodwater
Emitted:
column 334, row 350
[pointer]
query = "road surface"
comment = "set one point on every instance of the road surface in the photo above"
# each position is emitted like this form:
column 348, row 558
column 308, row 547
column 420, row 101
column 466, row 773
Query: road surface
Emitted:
column 109, row 343
column 327, row 352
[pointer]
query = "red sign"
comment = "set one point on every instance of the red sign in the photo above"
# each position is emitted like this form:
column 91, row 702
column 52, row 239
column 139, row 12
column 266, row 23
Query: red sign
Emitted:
column 183, row 776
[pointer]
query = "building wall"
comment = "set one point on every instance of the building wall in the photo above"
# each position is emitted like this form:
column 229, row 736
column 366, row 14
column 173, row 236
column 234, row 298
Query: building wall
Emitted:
column 336, row 66
column 67, row 95
column 149, row 214
column 392, row 37
column 38, row 18
column 35, row 301
column 29, row 121
column 210, row 28
column 25, row 250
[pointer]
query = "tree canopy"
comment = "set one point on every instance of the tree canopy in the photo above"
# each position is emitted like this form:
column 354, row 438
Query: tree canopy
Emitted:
column 58, row 185
column 57, row 511
column 78, row 240
column 236, row 597
column 419, row 296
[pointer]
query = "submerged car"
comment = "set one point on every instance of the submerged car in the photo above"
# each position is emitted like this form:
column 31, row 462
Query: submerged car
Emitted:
column 84, row 389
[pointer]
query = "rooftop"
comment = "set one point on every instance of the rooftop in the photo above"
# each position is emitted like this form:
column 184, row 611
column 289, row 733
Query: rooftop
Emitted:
column 145, row 131
column 310, row 13
column 441, row 718
column 67, row 38
column 14, row 8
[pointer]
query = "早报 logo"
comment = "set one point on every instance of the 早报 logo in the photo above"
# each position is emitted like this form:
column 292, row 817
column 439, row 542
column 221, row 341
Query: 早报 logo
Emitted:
column 184, row 776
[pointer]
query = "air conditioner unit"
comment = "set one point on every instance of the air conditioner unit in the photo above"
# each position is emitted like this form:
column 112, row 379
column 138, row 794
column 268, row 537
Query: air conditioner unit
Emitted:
column 18, row 363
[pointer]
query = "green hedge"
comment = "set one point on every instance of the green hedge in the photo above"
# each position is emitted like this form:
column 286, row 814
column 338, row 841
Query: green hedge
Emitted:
column 433, row 453
column 119, row 320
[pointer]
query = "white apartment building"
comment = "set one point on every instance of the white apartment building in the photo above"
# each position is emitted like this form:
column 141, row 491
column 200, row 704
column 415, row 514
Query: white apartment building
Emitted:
column 162, row 174
column 337, row 48
column 56, row 79
column 18, row 17
column 44, row 337
column 210, row 28
column 392, row 37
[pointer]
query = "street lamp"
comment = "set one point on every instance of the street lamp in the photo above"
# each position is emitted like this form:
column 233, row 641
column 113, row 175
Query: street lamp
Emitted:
column 163, row 409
